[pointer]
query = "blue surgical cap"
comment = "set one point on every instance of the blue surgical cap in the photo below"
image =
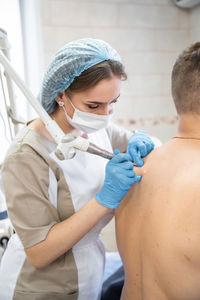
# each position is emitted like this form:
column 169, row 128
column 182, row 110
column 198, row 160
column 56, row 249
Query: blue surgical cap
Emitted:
column 68, row 63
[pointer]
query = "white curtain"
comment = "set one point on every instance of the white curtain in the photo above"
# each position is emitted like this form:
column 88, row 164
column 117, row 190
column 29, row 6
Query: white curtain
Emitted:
column 32, row 45
column 21, row 20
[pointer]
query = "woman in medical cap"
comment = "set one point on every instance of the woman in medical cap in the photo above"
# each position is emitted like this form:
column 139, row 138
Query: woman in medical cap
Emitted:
column 58, row 208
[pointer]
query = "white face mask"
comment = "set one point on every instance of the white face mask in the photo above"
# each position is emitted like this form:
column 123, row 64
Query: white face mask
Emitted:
column 87, row 122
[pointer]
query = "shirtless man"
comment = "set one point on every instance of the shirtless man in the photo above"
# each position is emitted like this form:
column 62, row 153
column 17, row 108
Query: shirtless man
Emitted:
column 158, row 222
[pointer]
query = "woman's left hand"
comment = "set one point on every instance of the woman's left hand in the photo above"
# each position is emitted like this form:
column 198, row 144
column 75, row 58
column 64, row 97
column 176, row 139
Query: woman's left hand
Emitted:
column 139, row 145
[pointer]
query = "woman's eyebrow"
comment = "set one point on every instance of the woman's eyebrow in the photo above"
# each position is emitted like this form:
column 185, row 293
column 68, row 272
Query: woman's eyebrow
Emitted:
column 98, row 102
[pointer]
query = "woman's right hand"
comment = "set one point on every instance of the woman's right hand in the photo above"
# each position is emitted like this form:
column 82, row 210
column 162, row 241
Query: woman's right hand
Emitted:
column 119, row 178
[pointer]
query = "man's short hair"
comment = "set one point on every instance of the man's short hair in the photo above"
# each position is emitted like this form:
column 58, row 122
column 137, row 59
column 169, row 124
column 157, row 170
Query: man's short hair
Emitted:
column 186, row 81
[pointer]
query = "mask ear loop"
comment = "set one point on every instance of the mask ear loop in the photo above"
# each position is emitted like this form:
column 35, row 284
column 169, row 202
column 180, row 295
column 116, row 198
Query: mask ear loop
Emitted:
column 62, row 104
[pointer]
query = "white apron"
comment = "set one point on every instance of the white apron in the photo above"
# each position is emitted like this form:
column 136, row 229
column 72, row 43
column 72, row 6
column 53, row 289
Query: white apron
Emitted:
column 85, row 176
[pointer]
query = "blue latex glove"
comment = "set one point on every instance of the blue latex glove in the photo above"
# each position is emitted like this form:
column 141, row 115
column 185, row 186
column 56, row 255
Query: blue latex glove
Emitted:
column 118, row 180
column 139, row 145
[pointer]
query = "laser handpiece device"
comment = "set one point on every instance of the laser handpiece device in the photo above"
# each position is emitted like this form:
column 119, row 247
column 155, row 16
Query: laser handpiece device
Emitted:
column 70, row 143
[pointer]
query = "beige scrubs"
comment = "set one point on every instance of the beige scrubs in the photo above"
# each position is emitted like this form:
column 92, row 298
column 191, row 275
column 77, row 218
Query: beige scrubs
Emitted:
column 40, row 192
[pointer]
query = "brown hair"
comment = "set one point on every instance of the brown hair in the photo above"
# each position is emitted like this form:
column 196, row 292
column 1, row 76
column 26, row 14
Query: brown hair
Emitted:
column 91, row 76
column 186, row 81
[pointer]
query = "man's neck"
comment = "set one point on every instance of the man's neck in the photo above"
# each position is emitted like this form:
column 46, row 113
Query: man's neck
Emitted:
column 189, row 125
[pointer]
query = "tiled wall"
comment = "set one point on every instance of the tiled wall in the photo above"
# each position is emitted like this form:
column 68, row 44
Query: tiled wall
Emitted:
column 148, row 34
column 195, row 24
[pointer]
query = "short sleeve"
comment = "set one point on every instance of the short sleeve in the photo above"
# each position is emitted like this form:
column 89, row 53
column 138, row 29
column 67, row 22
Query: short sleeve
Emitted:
column 119, row 137
column 26, row 183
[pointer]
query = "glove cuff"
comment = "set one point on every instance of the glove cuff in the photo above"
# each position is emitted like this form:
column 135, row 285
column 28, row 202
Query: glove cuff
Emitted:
column 109, row 198
column 107, row 204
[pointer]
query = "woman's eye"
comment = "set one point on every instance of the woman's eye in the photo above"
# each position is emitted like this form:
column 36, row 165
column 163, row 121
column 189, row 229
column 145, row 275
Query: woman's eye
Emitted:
column 114, row 101
column 93, row 106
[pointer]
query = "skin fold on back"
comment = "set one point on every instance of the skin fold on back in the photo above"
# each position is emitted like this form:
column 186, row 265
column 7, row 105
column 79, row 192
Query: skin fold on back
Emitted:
column 158, row 226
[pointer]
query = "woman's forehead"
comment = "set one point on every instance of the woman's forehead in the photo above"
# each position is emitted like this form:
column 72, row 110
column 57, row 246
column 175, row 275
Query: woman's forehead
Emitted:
column 104, row 91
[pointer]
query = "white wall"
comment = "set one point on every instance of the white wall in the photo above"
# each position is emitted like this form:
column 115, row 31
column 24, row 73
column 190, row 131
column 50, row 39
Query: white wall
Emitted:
column 195, row 24
column 148, row 34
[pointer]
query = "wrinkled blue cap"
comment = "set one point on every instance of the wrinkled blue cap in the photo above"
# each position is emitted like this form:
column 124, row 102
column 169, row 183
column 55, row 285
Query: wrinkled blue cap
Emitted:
column 68, row 63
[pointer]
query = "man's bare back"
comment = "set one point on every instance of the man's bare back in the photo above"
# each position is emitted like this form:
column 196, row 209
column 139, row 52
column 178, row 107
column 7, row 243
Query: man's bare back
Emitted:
column 158, row 226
